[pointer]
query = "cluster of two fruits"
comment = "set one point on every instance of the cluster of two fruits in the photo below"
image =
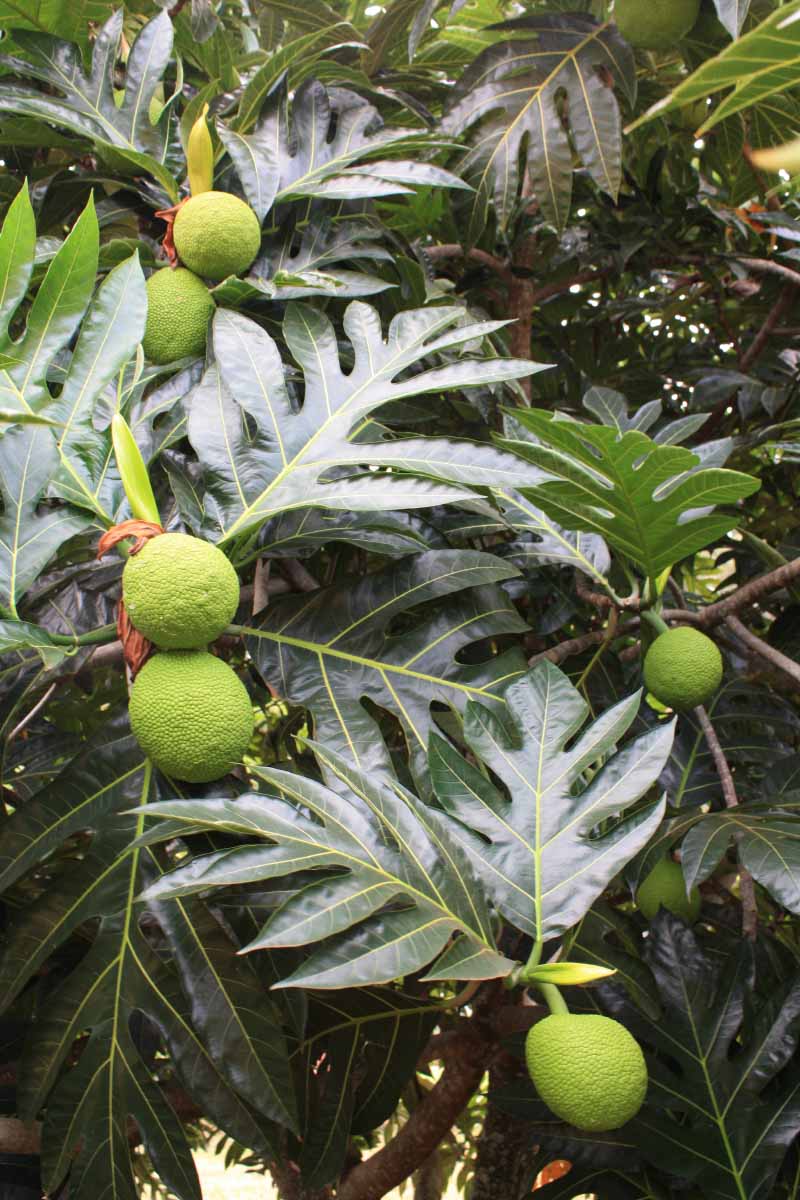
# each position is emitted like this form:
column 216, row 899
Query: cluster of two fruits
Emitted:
column 190, row 712
column 215, row 235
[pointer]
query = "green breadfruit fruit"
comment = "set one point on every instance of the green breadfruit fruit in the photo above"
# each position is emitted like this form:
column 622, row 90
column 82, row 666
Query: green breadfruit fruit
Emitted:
column 191, row 714
column 655, row 24
column 665, row 887
column 179, row 307
column 216, row 235
column 179, row 591
column 683, row 668
column 588, row 1070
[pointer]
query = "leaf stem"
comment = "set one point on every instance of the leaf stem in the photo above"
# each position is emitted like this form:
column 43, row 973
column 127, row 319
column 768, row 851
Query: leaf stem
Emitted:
column 554, row 1000
column 655, row 621
column 95, row 637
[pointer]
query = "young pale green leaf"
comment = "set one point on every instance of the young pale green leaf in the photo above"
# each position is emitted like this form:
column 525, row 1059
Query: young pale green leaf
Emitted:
column 403, row 886
column 547, row 849
column 641, row 497
column 331, row 649
column 718, row 1113
column 566, row 974
column 133, row 472
column 298, row 458
column 512, row 90
column 755, row 67
column 84, row 104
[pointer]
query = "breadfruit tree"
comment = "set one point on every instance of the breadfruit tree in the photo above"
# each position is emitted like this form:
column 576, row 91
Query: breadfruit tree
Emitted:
column 399, row 594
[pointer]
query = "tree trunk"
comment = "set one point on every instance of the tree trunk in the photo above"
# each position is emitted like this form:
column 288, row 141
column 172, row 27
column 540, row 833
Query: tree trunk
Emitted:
column 506, row 1148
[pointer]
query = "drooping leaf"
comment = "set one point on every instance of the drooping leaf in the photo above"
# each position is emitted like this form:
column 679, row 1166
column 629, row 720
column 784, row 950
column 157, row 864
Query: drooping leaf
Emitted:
column 755, row 66
column 85, row 105
column 57, row 308
column 722, row 1112
column 403, row 886
column 69, row 19
column 335, row 648
column 511, row 92
column 295, row 458
column 538, row 849
column 768, row 842
column 30, row 530
column 642, row 498
column 732, row 14
column 89, row 1101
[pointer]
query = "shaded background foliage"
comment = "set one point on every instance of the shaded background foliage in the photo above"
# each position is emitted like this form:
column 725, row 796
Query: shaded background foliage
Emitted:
column 452, row 196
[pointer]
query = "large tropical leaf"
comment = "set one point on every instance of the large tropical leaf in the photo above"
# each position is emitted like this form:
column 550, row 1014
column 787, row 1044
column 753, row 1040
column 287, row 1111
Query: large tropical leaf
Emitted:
column 756, row 66
column 114, row 1077
column 768, row 843
column 724, row 1100
column 326, row 147
column 336, row 648
column 310, row 261
column 84, row 104
column 537, row 848
column 69, row 19
column 511, row 93
column 640, row 496
column 403, row 885
column 263, row 455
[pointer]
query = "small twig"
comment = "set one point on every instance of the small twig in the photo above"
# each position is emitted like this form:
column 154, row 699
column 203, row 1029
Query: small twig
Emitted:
column 596, row 599
column 298, row 575
column 764, row 650
column 558, row 287
column 781, row 306
column 765, row 266
column 566, row 649
column 261, row 585
column 746, row 886
column 37, row 708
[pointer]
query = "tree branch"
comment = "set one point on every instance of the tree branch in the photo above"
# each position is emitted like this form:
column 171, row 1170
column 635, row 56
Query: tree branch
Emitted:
column 764, row 650
column 466, row 1060
column 747, row 888
column 454, row 250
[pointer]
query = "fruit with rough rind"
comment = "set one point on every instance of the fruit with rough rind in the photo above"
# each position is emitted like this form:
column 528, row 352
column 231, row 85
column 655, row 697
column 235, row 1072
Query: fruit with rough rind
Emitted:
column 683, row 668
column 179, row 307
column 589, row 1070
column 655, row 24
column 216, row 235
column 179, row 591
column 665, row 887
column 191, row 714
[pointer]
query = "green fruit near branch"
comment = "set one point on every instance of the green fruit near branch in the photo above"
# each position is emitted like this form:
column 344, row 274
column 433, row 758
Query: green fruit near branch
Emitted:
column 179, row 307
column 655, row 24
column 683, row 668
column 216, row 235
column 191, row 715
column 179, row 591
column 589, row 1070
column 665, row 887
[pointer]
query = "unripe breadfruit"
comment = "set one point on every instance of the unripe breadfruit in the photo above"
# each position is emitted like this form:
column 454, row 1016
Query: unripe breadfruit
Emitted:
column 665, row 887
column 179, row 306
column 179, row 591
column 191, row 714
column 655, row 24
column 683, row 668
column 216, row 234
column 588, row 1069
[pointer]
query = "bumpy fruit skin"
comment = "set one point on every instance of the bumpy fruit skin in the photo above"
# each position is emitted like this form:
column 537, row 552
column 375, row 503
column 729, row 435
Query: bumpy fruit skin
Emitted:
column 180, row 591
column 191, row 715
column 683, row 668
column 179, row 307
column 655, row 24
column 588, row 1069
column 665, row 887
column 216, row 235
